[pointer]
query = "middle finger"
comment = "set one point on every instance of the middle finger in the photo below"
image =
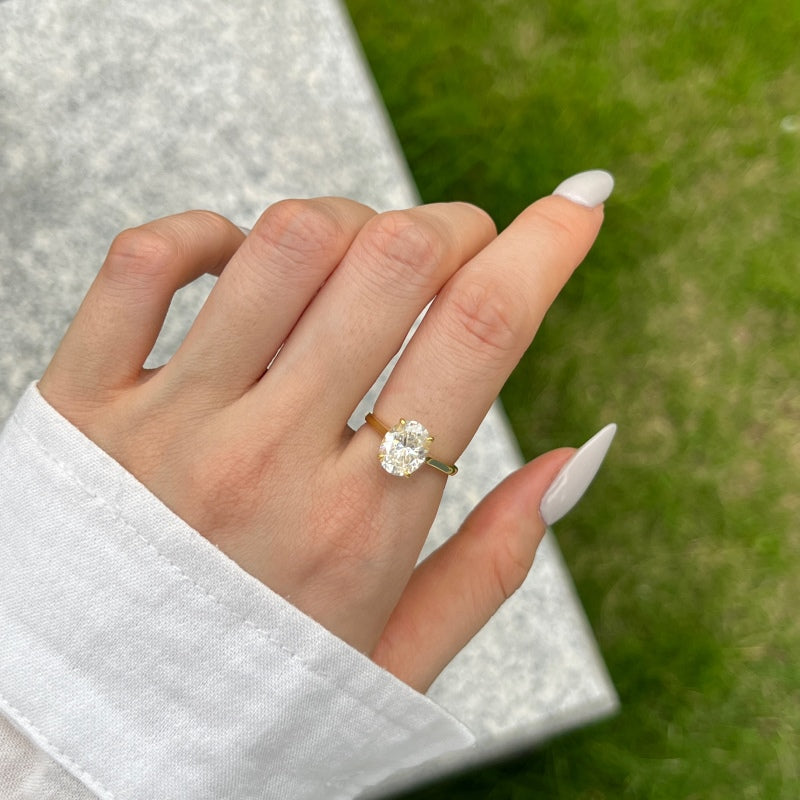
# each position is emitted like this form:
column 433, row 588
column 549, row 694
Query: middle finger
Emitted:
column 359, row 320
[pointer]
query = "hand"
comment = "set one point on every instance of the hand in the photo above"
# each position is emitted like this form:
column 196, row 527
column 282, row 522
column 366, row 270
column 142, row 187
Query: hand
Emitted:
column 243, row 433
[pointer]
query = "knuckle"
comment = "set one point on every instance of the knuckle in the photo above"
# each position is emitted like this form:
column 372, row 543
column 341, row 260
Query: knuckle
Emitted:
column 510, row 567
column 298, row 228
column 555, row 228
column 485, row 319
column 408, row 248
column 203, row 218
column 139, row 257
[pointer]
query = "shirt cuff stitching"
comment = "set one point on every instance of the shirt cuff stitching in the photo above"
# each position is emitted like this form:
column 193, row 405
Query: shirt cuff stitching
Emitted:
column 76, row 769
column 116, row 515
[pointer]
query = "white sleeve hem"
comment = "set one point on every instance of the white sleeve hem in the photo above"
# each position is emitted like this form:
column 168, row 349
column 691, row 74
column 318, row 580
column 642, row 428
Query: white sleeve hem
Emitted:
column 149, row 665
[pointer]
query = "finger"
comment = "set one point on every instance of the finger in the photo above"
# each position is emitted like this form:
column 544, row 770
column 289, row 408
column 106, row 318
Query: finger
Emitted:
column 457, row 589
column 121, row 316
column 395, row 266
column 289, row 254
column 483, row 321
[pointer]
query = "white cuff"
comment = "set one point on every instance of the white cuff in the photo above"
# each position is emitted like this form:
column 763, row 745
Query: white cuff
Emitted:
column 150, row 665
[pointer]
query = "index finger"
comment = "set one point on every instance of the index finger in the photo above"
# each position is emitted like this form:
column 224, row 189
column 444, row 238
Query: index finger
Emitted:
column 485, row 318
column 128, row 301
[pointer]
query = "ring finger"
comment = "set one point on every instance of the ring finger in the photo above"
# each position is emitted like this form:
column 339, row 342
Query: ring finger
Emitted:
column 482, row 322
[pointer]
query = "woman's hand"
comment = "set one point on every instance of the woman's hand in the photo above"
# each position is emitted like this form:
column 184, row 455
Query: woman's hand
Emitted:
column 243, row 433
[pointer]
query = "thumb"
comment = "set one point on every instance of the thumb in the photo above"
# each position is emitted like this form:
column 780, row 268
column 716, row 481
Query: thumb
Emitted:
column 458, row 588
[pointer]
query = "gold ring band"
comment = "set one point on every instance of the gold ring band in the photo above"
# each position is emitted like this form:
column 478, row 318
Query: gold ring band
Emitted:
column 405, row 448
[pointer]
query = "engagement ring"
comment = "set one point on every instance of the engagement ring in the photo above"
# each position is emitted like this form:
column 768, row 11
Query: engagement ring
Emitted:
column 406, row 447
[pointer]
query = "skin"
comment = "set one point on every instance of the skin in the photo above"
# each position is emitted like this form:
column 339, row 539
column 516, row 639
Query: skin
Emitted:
column 243, row 433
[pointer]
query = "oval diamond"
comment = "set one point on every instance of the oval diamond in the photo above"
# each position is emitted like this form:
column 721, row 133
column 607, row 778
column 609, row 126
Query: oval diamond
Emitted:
column 404, row 448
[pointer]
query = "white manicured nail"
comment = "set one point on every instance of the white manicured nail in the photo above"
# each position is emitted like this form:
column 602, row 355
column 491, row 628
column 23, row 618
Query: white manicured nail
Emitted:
column 587, row 188
column 576, row 476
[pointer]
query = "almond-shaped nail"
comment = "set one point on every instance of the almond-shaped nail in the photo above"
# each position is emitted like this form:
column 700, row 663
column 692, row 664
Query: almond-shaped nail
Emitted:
column 588, row 189
column 576, row 476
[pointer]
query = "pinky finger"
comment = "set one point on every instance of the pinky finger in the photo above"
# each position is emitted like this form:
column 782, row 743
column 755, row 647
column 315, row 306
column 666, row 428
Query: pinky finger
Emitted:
column 455, row 591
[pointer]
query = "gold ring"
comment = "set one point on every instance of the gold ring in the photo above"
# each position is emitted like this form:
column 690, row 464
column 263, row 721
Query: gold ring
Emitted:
column 406, row 447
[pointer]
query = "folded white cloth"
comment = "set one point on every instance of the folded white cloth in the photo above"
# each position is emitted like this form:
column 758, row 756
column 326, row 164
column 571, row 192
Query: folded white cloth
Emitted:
column 149, row 665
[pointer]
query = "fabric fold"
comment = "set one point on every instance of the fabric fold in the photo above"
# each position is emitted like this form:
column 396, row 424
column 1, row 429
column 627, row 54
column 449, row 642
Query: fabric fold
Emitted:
column 149, row 665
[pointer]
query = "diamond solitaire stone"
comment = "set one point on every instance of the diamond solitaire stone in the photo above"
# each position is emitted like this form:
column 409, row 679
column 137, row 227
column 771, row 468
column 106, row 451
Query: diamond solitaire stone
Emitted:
column 404, row 448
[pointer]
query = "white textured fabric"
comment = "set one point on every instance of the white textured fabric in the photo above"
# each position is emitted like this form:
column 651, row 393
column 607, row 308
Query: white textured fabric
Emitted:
column 148, row 665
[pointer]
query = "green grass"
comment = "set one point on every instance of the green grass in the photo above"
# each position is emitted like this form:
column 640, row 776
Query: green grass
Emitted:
column 683, row 326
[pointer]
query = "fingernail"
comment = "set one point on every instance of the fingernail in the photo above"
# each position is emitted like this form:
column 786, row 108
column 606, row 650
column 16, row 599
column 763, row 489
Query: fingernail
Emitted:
column 587, row 188
column 245, row 231
column 576, row 476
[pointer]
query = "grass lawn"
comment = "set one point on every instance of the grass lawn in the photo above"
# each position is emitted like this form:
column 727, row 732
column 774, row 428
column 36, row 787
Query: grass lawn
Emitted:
column 682, row 326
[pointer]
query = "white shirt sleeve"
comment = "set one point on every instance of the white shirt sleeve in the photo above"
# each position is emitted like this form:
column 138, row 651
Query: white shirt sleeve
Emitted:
column 149, row 666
